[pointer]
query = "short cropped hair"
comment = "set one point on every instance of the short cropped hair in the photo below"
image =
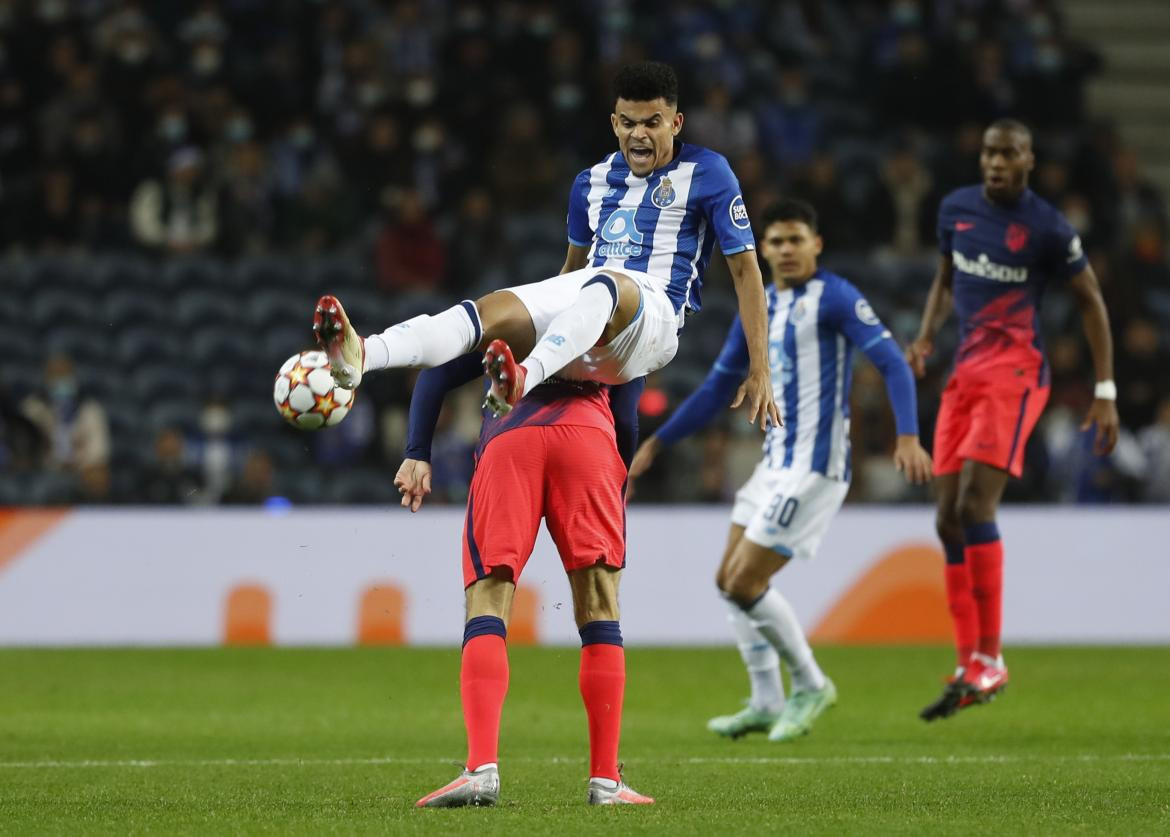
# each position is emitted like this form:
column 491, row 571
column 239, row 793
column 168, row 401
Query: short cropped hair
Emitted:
column 789, row 209
column 1012, row 126
column 645, row 82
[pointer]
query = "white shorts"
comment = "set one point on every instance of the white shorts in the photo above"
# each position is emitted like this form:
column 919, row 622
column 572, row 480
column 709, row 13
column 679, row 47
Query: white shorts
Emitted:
column 787, row 511
column 646, row 345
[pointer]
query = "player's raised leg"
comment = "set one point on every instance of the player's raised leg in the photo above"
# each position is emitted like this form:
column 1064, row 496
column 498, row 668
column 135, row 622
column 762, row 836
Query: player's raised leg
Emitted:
column 759, row 658
column 980, row 488
column 747, row 584
column 424, row 341
column 602, row 681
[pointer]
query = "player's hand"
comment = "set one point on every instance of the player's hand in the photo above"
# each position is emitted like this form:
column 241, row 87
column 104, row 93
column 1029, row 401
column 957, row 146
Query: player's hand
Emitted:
column 917, row 353
column 757, row 389
column 1103, row 414
column 413, row 482
column 912, row 460
column 640, row 464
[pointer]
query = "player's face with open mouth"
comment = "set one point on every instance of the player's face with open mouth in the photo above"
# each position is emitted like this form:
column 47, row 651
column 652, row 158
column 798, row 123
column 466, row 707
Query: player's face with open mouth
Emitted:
column 646, row 132
column 791, row 249
column 1005, row 160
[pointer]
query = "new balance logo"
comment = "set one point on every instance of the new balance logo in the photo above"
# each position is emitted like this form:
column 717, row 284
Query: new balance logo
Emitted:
column 963, row 226
column 555, row 339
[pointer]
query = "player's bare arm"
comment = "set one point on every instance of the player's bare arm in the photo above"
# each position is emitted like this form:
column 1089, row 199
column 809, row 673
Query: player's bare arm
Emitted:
column 1103, row 411
column 575, row 259
column 753, row 313
column 939, row 303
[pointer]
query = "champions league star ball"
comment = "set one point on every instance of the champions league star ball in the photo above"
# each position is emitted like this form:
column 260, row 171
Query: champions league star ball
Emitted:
column 306, row 395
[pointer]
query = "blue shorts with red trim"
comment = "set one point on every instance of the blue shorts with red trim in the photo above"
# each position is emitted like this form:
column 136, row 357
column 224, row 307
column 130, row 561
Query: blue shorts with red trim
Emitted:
column 570, row 475
column 987, row 419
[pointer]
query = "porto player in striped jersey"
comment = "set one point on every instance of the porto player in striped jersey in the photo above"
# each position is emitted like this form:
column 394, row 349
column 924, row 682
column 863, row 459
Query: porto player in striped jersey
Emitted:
column 561, row 454
column 643, row 223
column 816, row 320
column 1001, row 247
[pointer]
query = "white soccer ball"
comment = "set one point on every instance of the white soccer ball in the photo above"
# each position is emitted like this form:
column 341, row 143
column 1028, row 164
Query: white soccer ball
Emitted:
column 305, row 394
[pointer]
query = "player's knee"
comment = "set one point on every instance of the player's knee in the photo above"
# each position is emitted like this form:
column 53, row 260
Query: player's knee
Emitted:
column 948, row 525
column 492, row 595
column 743, row 587
column 974, row 508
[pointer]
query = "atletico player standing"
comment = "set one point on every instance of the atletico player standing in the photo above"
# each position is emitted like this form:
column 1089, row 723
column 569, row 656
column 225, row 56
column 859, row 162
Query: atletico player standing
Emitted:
column 1001, row 247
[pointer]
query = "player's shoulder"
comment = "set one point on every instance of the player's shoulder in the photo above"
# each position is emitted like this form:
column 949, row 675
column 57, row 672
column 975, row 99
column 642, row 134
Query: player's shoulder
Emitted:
column 963, row 198
column 835, row 286
column 613, row 160
column 706, row 161
column 1043, row 213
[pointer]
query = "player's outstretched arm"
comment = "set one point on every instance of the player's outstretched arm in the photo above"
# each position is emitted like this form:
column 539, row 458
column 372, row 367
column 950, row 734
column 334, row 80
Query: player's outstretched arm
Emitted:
column 413, row 479
column 939, row 303
column 1103, row 411
column 753, row 314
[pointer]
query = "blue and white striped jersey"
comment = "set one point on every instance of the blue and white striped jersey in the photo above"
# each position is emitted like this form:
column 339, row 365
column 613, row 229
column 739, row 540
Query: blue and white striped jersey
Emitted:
column 664, row 224
column 812, row 332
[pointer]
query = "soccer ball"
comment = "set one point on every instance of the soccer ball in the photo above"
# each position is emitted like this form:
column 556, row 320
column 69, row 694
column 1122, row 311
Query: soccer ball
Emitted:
column 306, row 395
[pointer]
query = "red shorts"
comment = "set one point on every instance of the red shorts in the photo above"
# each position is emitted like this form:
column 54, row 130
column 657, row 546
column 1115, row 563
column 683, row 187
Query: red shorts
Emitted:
column 568, row 474
column 986, row 419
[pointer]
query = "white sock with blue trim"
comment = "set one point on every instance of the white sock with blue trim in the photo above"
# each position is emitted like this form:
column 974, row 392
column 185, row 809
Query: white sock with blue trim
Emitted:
column 572, row 332
column 761, row 661
column 773, row 617
column 426, row 341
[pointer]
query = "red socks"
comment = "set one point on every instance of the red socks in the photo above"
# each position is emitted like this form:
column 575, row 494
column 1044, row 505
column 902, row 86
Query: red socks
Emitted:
column 984, row 556
column 961, row 601
column 483, row 682
column 603, row 687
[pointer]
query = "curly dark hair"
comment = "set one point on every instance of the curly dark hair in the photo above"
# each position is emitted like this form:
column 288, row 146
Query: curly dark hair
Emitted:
column 645, row 82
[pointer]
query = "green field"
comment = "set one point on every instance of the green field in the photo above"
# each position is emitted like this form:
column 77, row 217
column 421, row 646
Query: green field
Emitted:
column 343, row 741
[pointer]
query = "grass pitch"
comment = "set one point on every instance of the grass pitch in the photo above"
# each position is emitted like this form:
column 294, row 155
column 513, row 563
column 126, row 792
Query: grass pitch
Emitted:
column 284, row 741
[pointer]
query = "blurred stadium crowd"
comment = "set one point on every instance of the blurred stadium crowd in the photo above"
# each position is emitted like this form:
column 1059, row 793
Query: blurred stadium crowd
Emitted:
column 179, row 181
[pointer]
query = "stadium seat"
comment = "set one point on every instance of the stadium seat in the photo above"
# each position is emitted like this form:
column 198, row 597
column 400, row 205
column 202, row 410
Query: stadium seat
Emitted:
column 50, row 307
column 189, row 273
column 84, row 344
column 218, row 346
column 197, row 307
column 301, row 485
column 254, row 273
column 145, row 343
column 156, row 381
column 180, row 413
column 121, row 272
column 124, row 307
column 268, row 308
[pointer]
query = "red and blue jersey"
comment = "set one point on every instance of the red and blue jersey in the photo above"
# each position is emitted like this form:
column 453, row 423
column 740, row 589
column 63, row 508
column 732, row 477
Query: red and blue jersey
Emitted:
column 554, row 402
column 1004, row 258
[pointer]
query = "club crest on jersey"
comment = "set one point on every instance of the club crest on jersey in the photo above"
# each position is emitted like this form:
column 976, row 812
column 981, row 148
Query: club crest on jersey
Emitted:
column 799, row 309
column 664, row 195
column 1016, row 237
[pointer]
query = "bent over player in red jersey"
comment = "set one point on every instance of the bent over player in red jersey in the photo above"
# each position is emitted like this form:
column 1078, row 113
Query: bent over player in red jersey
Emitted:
column 558, row 455
column 1000, row 247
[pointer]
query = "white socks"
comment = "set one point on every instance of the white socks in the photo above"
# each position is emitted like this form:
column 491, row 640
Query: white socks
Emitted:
column 772, row 616
column 426, row 340
column 572, row 332
column 760, row 659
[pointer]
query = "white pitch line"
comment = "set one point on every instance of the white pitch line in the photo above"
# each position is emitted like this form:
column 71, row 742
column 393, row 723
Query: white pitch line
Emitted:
column 761, row 760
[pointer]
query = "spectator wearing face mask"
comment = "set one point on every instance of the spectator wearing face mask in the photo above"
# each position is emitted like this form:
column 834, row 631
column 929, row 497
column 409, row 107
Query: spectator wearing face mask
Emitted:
column 74, row 423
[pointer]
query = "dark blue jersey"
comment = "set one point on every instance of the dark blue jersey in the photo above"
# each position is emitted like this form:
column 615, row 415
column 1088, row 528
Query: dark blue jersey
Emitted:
column 1004, row 258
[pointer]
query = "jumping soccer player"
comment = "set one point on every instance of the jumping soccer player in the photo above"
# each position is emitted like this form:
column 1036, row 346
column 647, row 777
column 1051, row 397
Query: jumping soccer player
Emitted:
column 1000, row 248
column 816, row 318
column 560, row 455
column 642, row 224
